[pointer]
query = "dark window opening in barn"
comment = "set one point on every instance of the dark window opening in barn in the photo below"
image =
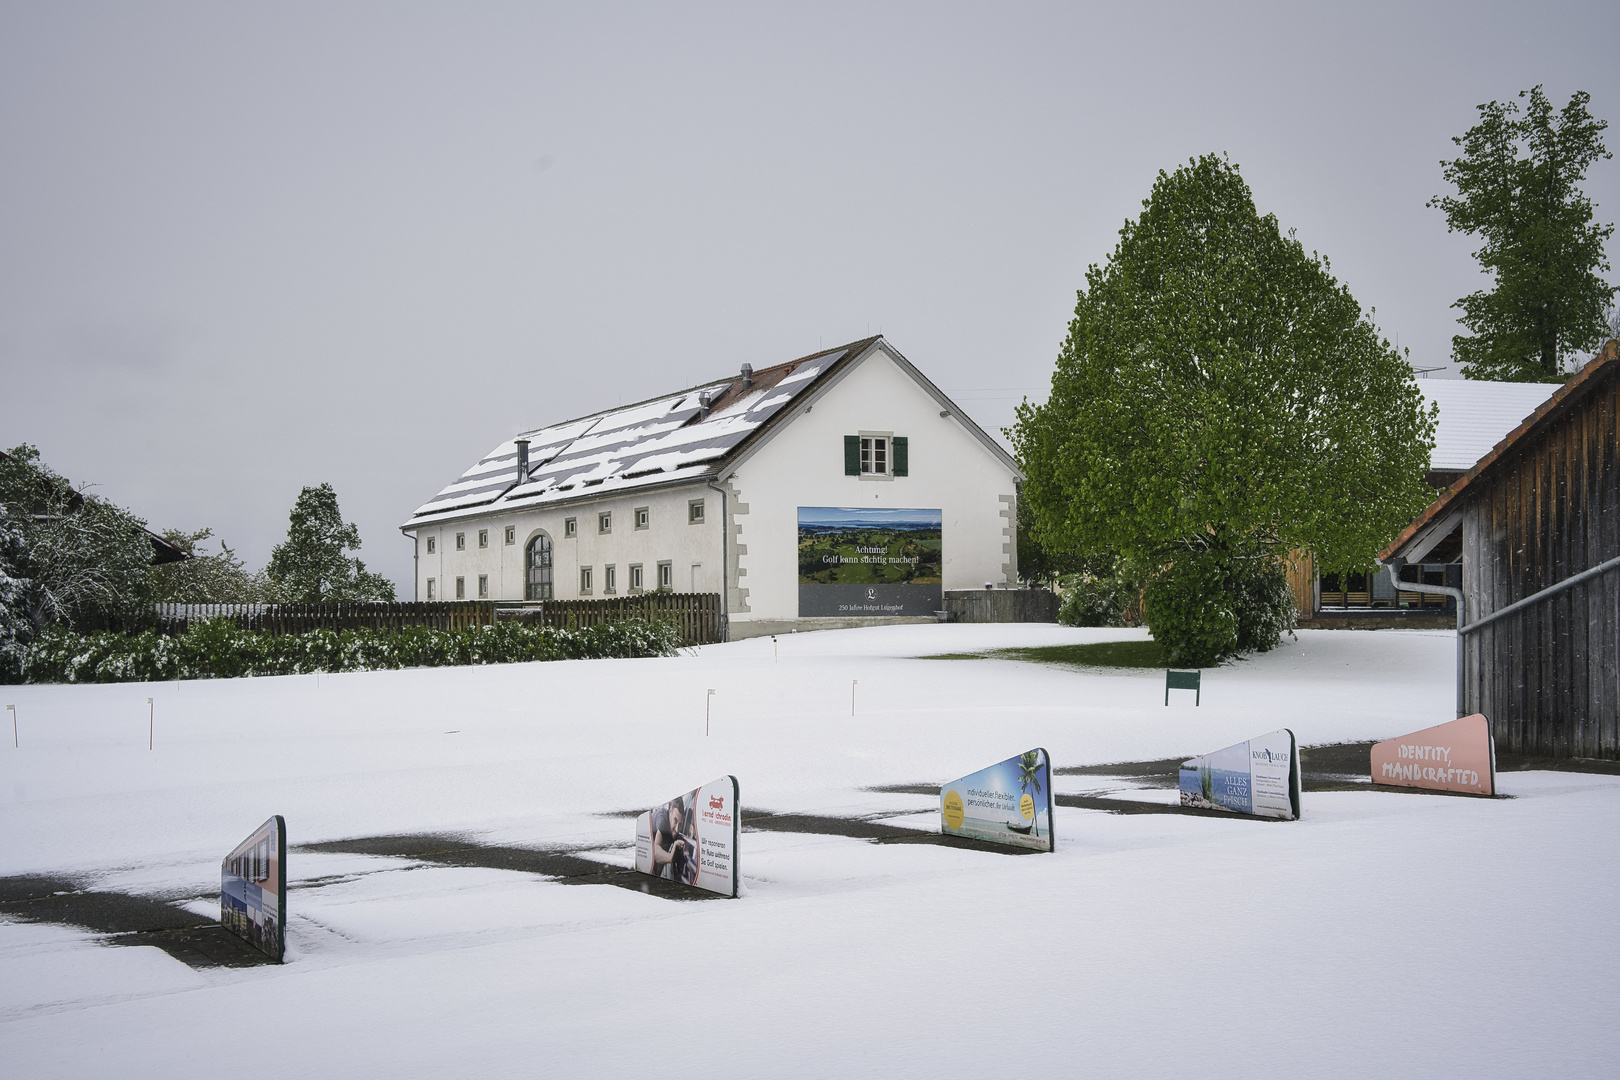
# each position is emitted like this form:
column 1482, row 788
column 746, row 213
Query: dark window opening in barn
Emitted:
column 539, row 569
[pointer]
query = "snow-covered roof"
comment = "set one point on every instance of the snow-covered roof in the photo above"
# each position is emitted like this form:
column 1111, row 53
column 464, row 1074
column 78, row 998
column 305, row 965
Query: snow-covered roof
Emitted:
column 1475, row 416
column 659, row 441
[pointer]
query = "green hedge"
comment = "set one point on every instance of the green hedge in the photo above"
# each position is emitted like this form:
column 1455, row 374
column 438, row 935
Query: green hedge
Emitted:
column 218, row 649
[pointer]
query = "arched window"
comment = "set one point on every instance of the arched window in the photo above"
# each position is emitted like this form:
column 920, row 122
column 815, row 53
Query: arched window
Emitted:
column 539, row 568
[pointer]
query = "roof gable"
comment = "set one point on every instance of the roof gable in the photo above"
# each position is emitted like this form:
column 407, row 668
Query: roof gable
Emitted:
column 1602, row 367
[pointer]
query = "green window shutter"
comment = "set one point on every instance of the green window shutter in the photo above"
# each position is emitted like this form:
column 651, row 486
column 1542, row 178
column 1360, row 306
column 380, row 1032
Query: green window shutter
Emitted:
column 902, row 456
column 852, row 455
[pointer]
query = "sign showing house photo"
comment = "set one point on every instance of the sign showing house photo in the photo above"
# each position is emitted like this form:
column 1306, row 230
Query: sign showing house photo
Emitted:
column 839, row 489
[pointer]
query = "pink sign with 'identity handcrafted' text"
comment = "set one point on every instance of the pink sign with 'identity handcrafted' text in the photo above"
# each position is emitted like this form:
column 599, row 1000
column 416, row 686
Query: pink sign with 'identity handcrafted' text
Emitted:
column 1458, row 756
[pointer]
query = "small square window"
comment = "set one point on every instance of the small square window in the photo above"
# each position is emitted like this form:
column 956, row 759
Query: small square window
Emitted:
column 874, row 455
column 483, row 586
column 570, row 527
column 461, row 541
column 635, row 577
column 461, row 588
column 483, row 538
column 643, row 517
column 584, row 579
column 431, row 545
column 609, row 578
column 430, row 588
column 694, row 512
column 666, row 575
column 604, row 521
column 511, row 534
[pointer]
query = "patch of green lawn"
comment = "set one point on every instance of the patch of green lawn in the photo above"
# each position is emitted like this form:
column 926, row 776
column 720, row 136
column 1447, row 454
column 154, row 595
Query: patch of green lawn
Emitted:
column 955, row 656
column 1112, row 654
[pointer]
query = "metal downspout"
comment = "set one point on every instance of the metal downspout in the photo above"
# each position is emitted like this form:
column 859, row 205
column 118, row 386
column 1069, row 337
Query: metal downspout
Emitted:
column 725, row 562
column 1394, row 568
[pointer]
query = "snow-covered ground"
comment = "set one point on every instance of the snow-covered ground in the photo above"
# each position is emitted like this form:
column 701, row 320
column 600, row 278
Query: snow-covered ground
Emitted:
column 1385, row 933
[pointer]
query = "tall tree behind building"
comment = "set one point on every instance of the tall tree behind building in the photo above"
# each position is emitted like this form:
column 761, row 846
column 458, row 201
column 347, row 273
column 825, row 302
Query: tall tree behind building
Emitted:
column 312, row 565
column 1518, row 187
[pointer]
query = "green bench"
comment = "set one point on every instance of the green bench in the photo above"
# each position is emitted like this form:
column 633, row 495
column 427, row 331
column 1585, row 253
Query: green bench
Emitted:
column 1182, row 680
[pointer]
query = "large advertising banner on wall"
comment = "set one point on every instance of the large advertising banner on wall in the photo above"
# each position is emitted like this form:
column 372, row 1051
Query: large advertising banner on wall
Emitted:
column 1008, row 803
column 864, row 561
column 1259, row 777
column 253, row 888
column 693, row 838
column 1455, row 756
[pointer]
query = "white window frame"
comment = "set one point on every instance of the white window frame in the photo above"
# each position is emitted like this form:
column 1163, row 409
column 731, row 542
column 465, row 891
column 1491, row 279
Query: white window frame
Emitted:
column 585, row 580
column 511, row 534
column 635, row 577
column 430, row 590
column 483, row 586
column 461, row 588
column 875, row 445
column 461, row 541
column 666, row 575
column 610, row 578
column 570, row 527
column 694, row 512
column 483, row 538
column 643, row 517
column 604, row 522
column 432, row 545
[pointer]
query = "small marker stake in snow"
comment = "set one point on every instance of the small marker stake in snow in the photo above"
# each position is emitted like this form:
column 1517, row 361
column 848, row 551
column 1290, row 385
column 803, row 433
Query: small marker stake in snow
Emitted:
column 852, row 683
column 149, row 712
column 775, row 656
column 706, row 702
column 14, row 741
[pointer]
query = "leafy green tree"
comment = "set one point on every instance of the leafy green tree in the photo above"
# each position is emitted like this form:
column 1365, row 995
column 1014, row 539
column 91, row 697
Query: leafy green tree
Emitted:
column 74, row 559
column 1518, row 187
column 312, row 566
column 1220, row 401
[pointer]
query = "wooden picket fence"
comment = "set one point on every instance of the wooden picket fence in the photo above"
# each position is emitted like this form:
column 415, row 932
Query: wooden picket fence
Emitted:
column 697, row 615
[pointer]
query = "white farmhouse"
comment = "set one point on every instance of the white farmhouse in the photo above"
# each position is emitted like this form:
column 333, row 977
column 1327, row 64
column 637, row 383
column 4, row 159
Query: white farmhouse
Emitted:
column 839, row 489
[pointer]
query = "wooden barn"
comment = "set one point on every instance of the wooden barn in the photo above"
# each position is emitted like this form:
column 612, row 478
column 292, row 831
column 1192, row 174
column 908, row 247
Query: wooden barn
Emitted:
column 1538, row 523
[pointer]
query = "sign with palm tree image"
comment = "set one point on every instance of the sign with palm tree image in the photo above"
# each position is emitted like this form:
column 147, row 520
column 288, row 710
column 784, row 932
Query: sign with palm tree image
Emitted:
column 1008, row 803
column 1259, row 777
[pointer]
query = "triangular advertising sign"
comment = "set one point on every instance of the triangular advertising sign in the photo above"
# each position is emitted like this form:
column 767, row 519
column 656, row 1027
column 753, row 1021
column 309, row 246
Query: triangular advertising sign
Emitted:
column 1259, row 777
column 1459, row 755
column 693, row 838
column 1008, row 803
column 253, row 889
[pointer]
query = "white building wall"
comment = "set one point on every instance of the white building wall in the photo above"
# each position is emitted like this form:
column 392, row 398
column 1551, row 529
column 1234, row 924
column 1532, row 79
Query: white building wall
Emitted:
column 692, row 550
column 803, row 465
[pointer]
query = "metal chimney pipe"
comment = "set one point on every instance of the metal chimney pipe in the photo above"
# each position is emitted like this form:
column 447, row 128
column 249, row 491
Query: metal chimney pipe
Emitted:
column 523, row 461
column 748, row 375
column 703, row 404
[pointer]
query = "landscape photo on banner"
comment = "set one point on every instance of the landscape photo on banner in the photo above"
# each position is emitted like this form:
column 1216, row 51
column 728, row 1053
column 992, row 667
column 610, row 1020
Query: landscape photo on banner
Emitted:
column 865, row 561
column 693, row 838
column 1259, row 777
column 1459, row 755
column 253, row 888
column 1008, row 803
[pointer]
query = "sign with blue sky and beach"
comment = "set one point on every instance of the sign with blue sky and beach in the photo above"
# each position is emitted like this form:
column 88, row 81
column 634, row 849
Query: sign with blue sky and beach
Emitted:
column 1008, row 803
column 866, row 561
column 1259, row 777
column 253, row 889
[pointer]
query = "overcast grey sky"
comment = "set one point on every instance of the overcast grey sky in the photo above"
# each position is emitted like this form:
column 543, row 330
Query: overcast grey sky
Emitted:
column 245, row 248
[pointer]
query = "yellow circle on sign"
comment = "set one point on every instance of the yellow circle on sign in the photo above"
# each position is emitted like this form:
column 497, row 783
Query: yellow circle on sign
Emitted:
column 953, row 810
column 1026, row 806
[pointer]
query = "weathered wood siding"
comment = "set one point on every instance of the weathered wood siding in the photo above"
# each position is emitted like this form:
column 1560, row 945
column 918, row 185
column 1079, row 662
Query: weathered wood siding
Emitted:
column 1546, row 677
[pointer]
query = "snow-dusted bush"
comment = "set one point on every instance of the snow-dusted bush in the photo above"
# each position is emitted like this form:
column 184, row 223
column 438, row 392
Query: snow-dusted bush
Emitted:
column 219, row 649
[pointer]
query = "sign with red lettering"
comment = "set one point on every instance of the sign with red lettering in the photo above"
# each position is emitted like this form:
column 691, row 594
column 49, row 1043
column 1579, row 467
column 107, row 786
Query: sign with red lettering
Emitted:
column 1455, row 756
column 693, row 838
